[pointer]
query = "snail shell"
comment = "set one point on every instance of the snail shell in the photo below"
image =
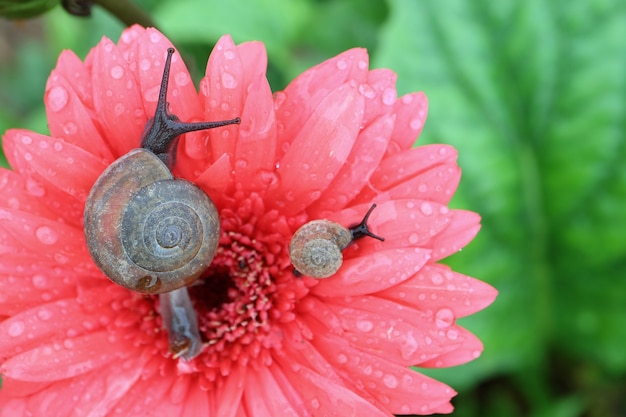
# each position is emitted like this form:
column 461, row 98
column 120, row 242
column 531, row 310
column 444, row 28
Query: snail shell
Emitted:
column 147, row 231
column 315, row 248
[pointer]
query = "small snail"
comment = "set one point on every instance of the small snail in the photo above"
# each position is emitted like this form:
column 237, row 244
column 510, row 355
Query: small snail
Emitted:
column 145, row 230
column 315, row 249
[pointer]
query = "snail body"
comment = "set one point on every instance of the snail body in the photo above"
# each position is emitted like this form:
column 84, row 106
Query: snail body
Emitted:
column 146, row 230
column 316, row 248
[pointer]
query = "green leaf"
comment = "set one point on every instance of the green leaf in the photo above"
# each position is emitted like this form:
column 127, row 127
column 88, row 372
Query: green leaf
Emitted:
column 533, row 95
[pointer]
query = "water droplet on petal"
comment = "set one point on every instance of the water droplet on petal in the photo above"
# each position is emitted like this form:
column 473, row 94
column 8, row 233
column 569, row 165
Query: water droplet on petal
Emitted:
column 426, row 209
column 341, row 358
column 40, row 281
column 389, row 96
column 416, row 124
column 116, row 72
column 390, row 381
column 342, row 65
column 16, row 328
column 364, row 325
column 228, row 81
column 69, row 128
column 444, row 318
column 57, row 98
column 315, row 403
column 181, row 78
column 44, row 314
column 144, row 64
column 27, row 140
column 46, row 235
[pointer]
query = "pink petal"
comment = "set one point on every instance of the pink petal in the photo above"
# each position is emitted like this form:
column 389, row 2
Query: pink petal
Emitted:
column 373, row 272
column 224, row 92
column 69, row 108
column 196, row 403
column 229, row 395
column 403, row 223
column 53, row 161
column 17, row 196
column 117, row 98
column 129, row 36
column 355, row 173
column 147, row 60
column 391, row 387
column 216, row 179
column 256, row 146
column 463, row 227
column 263, row 396
column 319, row 151
column 437, row 286
column 324, row 397
column 41, row 324
column 411, row 111
column 303, row 96
column 380, row 332
column 380, row 94
column 37, row 235
column 409, row 164
column 26, row 282
column 59, row 361
column 469, row 350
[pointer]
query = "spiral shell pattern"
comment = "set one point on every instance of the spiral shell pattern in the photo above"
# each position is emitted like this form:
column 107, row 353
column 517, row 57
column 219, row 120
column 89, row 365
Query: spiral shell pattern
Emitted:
column 147, row 231
column 315, row 248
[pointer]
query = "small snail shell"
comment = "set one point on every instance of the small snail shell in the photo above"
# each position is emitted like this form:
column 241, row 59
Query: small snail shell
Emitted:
column 144, row 229
column 316, row 247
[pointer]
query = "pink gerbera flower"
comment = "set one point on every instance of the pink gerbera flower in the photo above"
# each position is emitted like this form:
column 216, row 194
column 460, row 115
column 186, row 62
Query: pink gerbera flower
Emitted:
column 333, row 143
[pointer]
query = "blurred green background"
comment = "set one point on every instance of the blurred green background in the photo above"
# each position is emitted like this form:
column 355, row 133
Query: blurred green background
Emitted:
column 533, row 95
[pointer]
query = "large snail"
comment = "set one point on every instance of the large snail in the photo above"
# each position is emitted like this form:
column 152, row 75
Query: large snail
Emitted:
column 145, row 230
column 316, row 247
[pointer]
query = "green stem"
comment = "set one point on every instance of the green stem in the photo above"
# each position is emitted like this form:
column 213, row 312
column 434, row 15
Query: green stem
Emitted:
column 126, row 11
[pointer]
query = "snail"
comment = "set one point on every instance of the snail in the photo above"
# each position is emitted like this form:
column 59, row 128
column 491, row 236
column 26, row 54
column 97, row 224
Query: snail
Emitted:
column 146, row 230
column 316, row 247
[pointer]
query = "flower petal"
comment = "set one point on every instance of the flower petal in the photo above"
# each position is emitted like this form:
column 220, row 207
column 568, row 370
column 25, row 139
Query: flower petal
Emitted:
column 365, row 156
column 53, row 161
column 117, row 98
column 470, row 349
column 302, row 97
column 224, row 92
column 463, row 227
column 69, row 107
column 55, row 361
column 390, row 386
column 14, row 188
column 403, row 223
column 411, row 111
column 256, row 145
column 437, row 286
column 319, row 151
column 263, row 396
column 373, row 272
column 230, row 393
column 380, row 94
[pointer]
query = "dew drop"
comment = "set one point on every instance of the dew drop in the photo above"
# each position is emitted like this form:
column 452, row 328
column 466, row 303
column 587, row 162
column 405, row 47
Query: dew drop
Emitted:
column 315, row 403
column 28, row 156
column 69, row 128
column 40, row 281
column 389, row 96
column 27, row 140
column 390, row 381
column 342, row 65
column 44, row 314
column 116, row 72
column 144, row 64
column 364, row 325
column 228, row 81
column 416, row 124
column 155, row 37
column 362, row 64
column 119, row 108
column 426, row 209
column 46, row 235
column 444, row 318
column 181, row 78
column 58, row 146
column 413, row 238
column 16, row 328
column 57, row 98
column 367, row 91
column 452, row 334
column 341, row 358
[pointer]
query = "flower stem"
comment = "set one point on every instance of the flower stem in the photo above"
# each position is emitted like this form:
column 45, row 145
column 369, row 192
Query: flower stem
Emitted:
column 127, row 11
